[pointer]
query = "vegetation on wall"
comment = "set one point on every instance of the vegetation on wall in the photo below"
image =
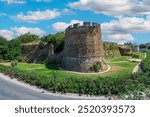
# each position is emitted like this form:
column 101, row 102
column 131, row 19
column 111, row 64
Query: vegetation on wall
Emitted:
column 96, row 67
column 111, row 50
column 110, row 46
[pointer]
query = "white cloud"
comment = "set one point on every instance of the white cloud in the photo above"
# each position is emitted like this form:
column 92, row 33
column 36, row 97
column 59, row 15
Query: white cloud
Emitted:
column 124, row 27
column 8, row 34
column 14, row 1
column 33, row 17
column 17, row 31
column 114, row 7
column 23, row 30
column 61, row 26
column 119, row 38
column 127, row 25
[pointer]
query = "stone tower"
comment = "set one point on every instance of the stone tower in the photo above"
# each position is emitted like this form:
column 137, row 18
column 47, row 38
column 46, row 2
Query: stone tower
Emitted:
column 83, row 48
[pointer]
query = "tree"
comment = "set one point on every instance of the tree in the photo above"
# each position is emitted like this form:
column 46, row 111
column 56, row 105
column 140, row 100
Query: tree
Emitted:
column 57, row 40
column 143, row 46
column 26, row 38
column 128, row 44
column 14, row 49
column 9, row 50
column 3, row 48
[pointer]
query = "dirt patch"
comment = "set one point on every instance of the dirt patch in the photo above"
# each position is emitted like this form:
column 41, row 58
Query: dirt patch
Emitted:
column 115, row 68
column 5, row 63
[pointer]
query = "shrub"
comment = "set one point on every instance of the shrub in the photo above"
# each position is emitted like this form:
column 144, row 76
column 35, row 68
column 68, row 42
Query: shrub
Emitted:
column 145, row 65
column 42, row 44
column 134, row 55
column 96, row 67
column 14, row 63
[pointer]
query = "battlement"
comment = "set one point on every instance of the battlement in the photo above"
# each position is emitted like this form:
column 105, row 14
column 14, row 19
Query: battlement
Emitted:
column 85, row 24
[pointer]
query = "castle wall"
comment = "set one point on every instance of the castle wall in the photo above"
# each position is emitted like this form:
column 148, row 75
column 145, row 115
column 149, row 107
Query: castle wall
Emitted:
column 34, row 54
column 111, row 50
column 83, row 48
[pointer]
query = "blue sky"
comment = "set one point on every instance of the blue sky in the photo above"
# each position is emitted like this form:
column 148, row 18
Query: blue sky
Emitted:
column 121, row 20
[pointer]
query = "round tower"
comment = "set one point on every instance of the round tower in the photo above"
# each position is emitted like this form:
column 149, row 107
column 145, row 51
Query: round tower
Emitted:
column 83, row 49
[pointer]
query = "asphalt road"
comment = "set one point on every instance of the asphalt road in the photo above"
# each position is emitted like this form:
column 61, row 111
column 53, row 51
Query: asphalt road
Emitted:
column 14, row 90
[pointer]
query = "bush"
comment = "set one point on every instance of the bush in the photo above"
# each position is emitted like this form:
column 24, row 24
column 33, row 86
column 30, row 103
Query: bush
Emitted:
column 134, row 55
column 145, row 65
column 96, row 67
column 14, row 63
column 42, row 44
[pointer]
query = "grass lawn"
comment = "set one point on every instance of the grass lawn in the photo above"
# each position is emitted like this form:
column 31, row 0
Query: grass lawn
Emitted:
column 118, row 59
column 118, row 69
column 142, row 56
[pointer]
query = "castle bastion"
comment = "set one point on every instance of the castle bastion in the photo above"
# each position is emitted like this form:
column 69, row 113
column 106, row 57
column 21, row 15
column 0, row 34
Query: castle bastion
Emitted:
column 83, row 48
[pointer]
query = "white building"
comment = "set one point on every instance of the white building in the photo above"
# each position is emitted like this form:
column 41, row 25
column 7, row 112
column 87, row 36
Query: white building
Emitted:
column 136, row 48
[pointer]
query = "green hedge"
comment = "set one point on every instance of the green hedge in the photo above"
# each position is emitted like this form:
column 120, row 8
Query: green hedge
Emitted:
column 146, row 63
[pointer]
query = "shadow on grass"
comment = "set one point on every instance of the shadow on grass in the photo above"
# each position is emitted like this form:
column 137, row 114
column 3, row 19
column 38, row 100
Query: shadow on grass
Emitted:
column 52, row 66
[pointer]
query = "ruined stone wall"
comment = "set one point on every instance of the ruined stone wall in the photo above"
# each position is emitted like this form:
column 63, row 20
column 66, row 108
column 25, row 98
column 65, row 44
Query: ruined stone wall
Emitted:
column 28, row 49
column 124, row 50
column 83, row 48
column 34, row 54
column 111, row 50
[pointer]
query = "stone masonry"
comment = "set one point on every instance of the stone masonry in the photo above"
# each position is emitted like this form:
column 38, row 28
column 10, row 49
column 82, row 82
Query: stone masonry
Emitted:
column 83, row 48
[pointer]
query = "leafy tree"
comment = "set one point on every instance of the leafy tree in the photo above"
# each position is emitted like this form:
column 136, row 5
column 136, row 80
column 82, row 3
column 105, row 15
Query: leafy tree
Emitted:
column 42, row 44
column 3, row 48
column 57, row 40
column 143, row 46
column 128, row 44
column 14, row 49
column 26, row 38
column 9, row 50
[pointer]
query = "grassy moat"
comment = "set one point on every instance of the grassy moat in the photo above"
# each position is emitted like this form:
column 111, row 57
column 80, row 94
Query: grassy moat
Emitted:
column 119, row 67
